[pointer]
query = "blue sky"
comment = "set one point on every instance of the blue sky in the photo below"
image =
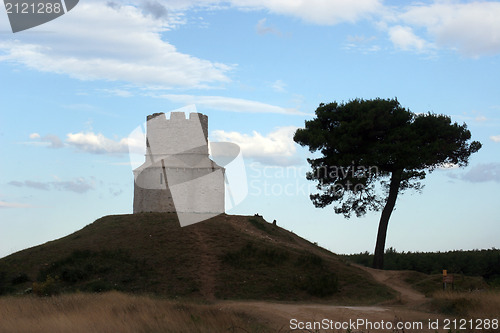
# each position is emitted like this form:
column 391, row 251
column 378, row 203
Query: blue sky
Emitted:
column 73, row 89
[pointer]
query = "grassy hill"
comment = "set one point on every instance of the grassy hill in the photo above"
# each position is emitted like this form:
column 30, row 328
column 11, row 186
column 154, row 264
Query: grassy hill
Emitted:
column 226, row 257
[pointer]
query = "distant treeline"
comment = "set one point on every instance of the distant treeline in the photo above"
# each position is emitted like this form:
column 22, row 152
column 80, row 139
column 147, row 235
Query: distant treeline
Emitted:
column 485, row 263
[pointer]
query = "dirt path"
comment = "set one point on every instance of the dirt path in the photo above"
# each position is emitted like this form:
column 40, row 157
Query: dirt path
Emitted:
column 393, row 279
column 207, row 269
column 281, row 315
column 285, row 317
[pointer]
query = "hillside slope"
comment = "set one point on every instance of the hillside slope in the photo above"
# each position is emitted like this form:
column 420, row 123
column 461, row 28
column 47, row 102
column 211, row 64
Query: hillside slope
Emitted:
column 226, row 257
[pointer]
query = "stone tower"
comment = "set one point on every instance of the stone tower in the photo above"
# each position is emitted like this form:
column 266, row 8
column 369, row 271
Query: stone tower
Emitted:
column 178, row 175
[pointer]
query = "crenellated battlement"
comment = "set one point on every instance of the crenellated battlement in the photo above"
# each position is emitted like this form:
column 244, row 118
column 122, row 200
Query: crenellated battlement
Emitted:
column 177, row 135
column 179, row 116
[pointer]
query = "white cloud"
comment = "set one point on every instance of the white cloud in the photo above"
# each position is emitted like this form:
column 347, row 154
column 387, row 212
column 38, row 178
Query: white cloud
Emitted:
column 90, row 142
column 263, row 29
column 50, row 140
column 123, row 42
column 279, row 86
column 118, row 92
column 360, row 39
column 118, row 43
column 404, row 38
column 53, row 141
column 275, row 148
column 79, row 185
column 361, row 43
column 482, row 173
column 230, row 104
column 97, row 143
column 470, row 28
column 495, row 138
column 32, row 184
column 324, row 12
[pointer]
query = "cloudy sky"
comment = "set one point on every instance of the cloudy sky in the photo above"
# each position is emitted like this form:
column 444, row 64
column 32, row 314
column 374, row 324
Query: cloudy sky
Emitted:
column 72, row 91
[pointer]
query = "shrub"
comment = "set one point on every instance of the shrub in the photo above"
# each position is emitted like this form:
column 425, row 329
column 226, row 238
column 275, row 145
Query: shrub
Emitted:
column 319, row 284
column 322, row 285
column 46, row 288
column 309, row 260
column 3, row 284
column 258, row 224
column 251, row 254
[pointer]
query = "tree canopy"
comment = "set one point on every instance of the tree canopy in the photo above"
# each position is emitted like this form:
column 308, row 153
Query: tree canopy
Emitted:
column 366, row 143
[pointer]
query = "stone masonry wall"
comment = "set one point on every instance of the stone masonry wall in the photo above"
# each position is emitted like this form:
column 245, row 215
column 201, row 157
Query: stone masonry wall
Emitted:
column 178, row 175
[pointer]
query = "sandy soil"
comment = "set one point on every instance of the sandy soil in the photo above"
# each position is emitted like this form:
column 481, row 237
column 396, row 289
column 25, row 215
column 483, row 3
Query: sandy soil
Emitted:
column 410, row 310
column 408, row 296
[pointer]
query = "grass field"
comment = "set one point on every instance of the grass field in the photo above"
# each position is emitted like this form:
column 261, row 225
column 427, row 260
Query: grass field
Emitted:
column 118, row 312
column 484, row 304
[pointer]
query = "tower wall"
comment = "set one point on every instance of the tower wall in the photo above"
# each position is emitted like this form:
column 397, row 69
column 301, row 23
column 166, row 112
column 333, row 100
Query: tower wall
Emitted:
column 177, row 135
column 178, row 176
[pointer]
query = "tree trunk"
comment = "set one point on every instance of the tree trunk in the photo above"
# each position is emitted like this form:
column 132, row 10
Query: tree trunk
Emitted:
column 378, row 259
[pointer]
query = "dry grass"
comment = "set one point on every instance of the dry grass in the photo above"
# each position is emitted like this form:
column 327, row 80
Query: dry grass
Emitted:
column 481, row 304
column 118, row 312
